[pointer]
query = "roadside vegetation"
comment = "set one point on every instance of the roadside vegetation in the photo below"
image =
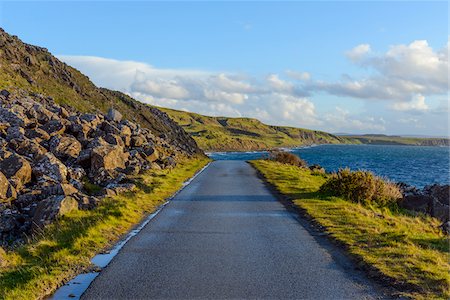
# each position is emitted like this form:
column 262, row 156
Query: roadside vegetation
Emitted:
column 64, row 249
column 408, row 251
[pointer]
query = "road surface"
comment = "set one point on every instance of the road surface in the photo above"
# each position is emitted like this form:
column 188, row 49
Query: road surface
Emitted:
column 226, row 236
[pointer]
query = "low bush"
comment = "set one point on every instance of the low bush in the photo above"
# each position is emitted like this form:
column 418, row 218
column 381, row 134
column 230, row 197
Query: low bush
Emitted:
column 362, row 187
column 287, row 158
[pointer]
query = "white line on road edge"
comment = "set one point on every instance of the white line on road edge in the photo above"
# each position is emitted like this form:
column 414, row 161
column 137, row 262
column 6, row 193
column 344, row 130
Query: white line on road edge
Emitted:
column 77, row 286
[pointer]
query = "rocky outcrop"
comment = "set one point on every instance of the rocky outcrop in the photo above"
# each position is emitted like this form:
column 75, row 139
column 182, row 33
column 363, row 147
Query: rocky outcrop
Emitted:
column 432, row 200
column 49, row 154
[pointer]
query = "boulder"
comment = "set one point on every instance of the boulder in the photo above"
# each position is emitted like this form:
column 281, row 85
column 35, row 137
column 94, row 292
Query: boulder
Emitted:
column 65, row 147
column 54, row 127
column 151, row 154
column 37, row 133
column 49, row 209
column 138, row 140
column 27, row 147
column 108, row 157
column 7, row 191
column 17, row 169
column 113, row 115
column 114, row 139
column 15, row 132
column 419, row 203
column 440, row 193
column 48, row 167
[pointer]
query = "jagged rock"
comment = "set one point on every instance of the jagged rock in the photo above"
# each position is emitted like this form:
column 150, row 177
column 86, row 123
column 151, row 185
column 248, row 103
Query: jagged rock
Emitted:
column 169, row 162
column 17, row 169
column 108, row 157
column 64, row 189
column 107, row 127
column 138, row 140
column 49, row 209
column 7, row 191
column 151, row 154
column 48, row 167
column 54, row 127
column 15, row 132
column 65, row 146
column 75, row 173
column 114, row 139
column 439, row 193
column 37, row 133
column 114, row 115
column 419, row 203
column 27, row 147
column 7, row 116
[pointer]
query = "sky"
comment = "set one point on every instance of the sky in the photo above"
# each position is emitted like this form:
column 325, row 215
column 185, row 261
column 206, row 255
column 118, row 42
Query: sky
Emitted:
column 347, row 67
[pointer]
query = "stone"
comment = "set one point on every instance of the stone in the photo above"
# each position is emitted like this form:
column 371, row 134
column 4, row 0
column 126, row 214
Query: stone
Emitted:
column 49, row 209
column 76, row 173
column 151, row 154
column 440, row 193
column 113, row 115
column 107, row 127
column 15, row 132
column 6, row 116
column 114, row 139
column 108, row 157
column 54, row 127
column 37, row 133
column 138, row 140
column 48, row 167
column 17, row 169
column 27, row 147
column 419, row 203
column 7, row 191
column 65, row 147
column 65, row 189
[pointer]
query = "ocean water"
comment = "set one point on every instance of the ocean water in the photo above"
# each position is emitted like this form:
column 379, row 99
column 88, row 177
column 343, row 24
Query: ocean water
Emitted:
column 418, row 166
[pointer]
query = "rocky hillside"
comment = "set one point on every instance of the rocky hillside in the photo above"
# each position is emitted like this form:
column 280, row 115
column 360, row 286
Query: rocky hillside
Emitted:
column 54, row 159
column 243, row 134
column 34, row 69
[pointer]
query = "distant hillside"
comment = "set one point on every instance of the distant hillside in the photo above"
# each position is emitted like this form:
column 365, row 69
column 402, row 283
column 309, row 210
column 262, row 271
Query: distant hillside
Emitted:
column 34, row 69
column 243, row 134
column 381, row 139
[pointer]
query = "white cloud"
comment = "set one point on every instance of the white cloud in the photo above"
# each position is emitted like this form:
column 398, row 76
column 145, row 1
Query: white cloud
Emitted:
column 417, row 104
column 399, row 74
column 340, row 120
column 404, row 76
column 302, row 76
column 358, row 52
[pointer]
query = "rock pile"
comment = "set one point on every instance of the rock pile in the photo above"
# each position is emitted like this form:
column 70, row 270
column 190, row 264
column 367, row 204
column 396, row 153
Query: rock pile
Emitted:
column 50, row 155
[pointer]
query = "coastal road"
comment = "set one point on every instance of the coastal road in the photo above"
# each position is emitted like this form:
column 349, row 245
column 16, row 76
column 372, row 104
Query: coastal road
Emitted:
column 226, row 236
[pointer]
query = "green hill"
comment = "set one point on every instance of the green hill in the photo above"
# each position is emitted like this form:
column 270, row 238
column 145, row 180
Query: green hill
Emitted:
column 33, row 69
column 243, row 134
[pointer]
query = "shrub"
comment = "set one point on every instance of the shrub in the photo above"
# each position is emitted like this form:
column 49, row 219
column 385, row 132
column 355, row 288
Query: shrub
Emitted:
column 361, row 187
column 287, row 158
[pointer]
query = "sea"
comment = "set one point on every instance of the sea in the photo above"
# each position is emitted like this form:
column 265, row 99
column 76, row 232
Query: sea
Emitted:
column 415, row 165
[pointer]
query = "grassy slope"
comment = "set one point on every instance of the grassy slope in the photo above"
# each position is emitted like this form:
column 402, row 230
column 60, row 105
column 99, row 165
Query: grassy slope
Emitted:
column 380, row 139
column 65, row 248
column 225, row 134
column 409, row 250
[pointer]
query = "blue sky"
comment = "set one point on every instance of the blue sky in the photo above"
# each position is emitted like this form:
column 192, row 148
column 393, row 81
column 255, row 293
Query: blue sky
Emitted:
column 337, row 66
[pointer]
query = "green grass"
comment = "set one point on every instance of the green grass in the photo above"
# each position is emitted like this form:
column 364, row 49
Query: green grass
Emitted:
column 409, row 250
column 65, row 248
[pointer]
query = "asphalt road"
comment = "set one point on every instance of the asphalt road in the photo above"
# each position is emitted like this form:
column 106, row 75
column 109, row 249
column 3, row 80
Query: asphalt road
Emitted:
column 226, row 236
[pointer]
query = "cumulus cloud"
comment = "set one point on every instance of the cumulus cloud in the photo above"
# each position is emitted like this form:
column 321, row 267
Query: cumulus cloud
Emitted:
column 358, row 52
column 340, row 120
column 400, row 73
column 403, row 77
column 417, row 104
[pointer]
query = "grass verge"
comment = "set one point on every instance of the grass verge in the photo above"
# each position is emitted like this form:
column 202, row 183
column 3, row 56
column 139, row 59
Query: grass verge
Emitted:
column 64, row 249
column 408, row 251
